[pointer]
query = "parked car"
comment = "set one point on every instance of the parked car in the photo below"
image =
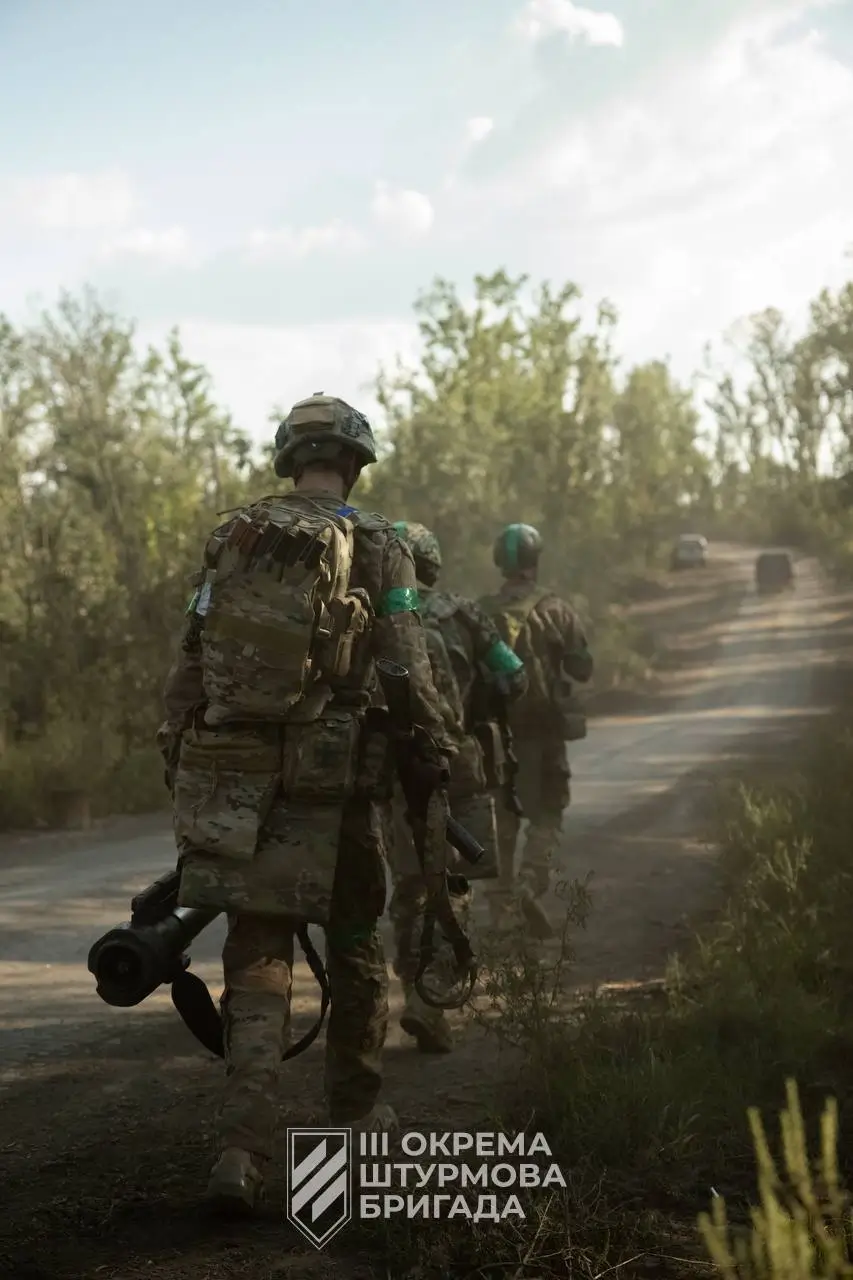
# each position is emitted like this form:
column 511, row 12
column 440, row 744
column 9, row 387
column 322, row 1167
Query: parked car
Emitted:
column 690, row 552
column 774, row 571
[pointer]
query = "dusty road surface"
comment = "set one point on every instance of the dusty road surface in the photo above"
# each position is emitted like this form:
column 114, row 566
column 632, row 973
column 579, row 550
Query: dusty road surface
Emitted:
column 105, row 1114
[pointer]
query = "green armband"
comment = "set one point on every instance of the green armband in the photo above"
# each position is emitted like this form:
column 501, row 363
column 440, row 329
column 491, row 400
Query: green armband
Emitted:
column 501, row 660
column 398, row 600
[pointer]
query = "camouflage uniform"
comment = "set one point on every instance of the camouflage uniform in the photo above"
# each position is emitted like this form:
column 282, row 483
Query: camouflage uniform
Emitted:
column 258, row 953
column 550, row 640
column 466, row 651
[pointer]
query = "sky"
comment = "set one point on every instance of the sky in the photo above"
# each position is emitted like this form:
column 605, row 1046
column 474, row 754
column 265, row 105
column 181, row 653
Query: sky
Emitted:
column 281, row 180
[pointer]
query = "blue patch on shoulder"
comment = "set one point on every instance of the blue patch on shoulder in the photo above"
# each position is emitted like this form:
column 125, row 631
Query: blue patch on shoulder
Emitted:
column 344, row 510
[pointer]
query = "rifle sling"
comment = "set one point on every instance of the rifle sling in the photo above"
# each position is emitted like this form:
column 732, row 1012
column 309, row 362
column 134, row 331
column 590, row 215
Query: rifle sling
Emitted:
column 431, row 843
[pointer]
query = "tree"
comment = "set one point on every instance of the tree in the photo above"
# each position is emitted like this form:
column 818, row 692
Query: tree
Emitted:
column 516, row 414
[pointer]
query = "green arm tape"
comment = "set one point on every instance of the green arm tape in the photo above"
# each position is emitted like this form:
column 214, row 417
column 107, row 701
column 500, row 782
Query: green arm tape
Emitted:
column 501, row 660
column 398, row 600
column 193, row 602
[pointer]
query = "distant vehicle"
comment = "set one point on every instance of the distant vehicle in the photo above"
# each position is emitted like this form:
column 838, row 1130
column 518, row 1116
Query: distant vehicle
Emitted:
column 690, row 552
column 774, row 571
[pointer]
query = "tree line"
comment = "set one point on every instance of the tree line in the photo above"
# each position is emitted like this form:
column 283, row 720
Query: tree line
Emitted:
column 115, row 462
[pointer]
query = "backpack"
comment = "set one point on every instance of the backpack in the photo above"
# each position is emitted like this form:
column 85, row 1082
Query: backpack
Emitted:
column 514, row 621
column 280, row 621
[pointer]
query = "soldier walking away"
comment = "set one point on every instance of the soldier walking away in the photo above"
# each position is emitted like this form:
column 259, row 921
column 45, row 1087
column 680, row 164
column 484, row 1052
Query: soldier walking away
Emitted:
column 277, row 777
column 476, row 674
column 545, row 633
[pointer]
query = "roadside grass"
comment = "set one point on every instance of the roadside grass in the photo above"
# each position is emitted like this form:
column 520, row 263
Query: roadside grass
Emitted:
column 643, row 1094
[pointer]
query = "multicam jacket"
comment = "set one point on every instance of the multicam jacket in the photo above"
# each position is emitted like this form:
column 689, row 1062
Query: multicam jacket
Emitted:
column 247, row 843
column 546, row 633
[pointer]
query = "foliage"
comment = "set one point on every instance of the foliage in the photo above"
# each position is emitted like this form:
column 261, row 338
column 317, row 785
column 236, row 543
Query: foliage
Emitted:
column 649, row 1095
column 517, row 412
column 112, row 469
column 114, row 464
column 804, row 1228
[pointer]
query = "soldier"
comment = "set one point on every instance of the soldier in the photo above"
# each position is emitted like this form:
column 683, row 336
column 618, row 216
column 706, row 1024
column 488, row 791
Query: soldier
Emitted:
column 472, row 667
column 276, row 777
column 545, row 633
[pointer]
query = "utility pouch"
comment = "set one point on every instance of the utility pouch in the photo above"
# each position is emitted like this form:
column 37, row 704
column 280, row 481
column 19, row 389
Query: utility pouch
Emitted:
column 319, row 762
column 494, row 757
column 467, row 775
column 225, row 786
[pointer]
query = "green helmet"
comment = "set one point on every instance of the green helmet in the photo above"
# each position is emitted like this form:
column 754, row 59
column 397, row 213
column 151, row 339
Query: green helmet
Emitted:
column 518, row 546
column 317, row 430
column 424, row 547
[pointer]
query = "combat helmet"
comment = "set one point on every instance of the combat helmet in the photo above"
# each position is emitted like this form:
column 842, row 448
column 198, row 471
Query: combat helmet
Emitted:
column 318, row 430
column 425, row 549
column 518, row 546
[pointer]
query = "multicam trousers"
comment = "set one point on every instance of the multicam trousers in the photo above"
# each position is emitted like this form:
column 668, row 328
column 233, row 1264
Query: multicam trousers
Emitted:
column 258, row 969
column 544, row 788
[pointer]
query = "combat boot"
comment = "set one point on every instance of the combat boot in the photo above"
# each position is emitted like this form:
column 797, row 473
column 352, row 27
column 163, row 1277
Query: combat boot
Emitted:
column 381, row 1118
column 427, row 1025
column 236, row 1183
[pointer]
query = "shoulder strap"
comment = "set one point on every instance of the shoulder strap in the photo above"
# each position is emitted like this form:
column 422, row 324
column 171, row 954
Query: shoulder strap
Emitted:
column 524, row 607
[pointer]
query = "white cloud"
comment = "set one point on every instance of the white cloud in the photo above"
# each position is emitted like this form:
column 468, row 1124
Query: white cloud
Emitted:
column 716, row 190
column 404, row 213
column 171, row 245
column 478, row 128
column 292, row 242
column 542, row 18
column 68, row 201
column 256, row 366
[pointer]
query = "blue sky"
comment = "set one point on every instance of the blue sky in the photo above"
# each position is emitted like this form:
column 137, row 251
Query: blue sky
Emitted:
column 281, row 179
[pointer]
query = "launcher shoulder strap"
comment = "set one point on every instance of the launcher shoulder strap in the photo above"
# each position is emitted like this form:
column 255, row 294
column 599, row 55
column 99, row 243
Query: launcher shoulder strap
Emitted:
column 194, row 1003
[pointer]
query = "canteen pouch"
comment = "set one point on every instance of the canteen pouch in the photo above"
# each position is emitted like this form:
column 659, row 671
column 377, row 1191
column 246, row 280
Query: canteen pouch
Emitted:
column 225, row 786
column 467, row 776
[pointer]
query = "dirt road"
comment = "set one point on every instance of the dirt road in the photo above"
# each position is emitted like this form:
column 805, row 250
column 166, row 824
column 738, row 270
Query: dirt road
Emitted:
column 101, row 1073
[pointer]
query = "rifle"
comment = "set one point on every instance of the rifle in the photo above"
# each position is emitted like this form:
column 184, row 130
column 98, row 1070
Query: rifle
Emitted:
column 132, row 960
column 500, row 711
column 490, row 703
column 433, row 828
